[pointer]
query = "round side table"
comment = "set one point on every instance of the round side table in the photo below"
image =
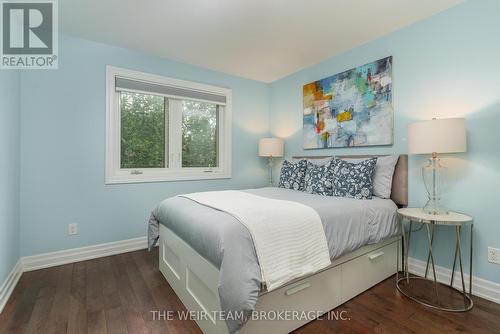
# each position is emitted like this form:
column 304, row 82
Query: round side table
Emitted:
column 452, row 219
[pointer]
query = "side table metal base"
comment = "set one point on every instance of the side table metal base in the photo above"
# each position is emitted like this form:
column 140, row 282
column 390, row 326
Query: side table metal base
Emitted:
column 455, row 220
column 468, row 303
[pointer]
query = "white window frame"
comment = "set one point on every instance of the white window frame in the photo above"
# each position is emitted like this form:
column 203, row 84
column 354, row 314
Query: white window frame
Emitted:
column 174, row 171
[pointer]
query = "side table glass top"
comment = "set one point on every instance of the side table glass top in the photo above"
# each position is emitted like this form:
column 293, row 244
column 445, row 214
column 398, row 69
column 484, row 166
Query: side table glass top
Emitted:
column 452, row 218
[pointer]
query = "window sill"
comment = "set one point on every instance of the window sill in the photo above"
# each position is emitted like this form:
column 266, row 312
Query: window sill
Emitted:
column 144, row 178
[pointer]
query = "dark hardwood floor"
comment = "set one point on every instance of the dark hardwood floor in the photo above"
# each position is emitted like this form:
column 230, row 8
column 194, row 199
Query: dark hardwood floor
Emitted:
column 116, row 294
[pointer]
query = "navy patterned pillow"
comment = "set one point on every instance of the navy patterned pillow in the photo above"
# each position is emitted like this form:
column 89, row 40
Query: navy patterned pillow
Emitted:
column 318, row 179
column 353, row 180
column 292, row 175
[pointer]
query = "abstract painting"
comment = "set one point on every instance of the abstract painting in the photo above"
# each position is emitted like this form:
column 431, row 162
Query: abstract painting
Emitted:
column 352, row 108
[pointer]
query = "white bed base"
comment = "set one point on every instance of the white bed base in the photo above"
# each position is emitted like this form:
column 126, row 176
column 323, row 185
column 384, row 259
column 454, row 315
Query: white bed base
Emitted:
column 195, row 280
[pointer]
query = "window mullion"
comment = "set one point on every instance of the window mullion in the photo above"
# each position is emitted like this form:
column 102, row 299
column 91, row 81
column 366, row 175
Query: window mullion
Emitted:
column 116, row 121
column 220, row 136
column 166, row 108
column 175, row 133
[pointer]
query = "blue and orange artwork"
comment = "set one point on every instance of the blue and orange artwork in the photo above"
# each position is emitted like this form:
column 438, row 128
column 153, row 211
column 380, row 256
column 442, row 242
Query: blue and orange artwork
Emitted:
column 352, row 108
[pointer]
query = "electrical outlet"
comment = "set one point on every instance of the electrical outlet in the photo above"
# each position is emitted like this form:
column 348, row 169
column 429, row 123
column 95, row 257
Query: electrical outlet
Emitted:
column 72, row 229
column 494, row 255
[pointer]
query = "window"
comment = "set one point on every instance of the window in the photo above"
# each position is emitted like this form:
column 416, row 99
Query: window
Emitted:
column 143, row 120
column 199, row 134
column 162, row 129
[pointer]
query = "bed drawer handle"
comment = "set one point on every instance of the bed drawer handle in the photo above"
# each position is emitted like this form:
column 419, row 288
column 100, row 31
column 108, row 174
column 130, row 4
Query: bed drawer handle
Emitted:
column 375, row 256
column 297, row 288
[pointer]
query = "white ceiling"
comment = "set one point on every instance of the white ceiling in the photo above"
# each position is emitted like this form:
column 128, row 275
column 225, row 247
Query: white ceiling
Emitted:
column 258, row 39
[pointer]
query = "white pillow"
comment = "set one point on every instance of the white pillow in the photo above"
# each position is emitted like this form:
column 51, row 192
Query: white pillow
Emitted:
column 382, row 178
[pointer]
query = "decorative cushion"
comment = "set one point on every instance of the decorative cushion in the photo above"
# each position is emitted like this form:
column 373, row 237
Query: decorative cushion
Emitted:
column 292, row 175
column 384, row 171
column 353, row 180
column 318, row 179
column 317, row 162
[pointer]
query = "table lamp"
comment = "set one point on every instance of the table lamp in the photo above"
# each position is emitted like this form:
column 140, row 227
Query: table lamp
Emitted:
column 271, row 148
column 433, row 137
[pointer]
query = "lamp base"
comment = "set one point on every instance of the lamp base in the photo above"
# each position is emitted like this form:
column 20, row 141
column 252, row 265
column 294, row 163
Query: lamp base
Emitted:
column 270, row 172
column 434, row 174
column 433, row 207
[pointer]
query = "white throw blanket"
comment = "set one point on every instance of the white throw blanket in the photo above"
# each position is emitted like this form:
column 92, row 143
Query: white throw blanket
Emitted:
column 288, row 236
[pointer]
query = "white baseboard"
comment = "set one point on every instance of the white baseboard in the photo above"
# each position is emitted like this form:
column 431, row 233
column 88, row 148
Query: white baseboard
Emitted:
column 10, row 283
column 45, row 260
column 480, row 287
column 52, row 259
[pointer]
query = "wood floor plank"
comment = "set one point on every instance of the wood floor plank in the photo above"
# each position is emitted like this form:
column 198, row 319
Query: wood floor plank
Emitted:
column 389, row 302
column 163, row 295
column 143, row 294
column 58, row 317
column 77, row 312
column 115, row 321
column 21, row 313
column 96, row 318
column 131, row 307
column 44, row 303
column 116, row 294
column 6, row 316
column 115, row 318
column 96, row 322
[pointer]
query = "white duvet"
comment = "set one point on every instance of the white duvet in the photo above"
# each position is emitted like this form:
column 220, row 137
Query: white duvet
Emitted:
column 289, row 238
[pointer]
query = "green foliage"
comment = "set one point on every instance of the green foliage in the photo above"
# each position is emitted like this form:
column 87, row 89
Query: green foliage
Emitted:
column 142, row 130
column 199, row 134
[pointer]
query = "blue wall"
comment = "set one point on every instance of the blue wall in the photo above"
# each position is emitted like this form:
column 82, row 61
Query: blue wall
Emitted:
column 445, row 66
column 63, row 148
column 9, row 171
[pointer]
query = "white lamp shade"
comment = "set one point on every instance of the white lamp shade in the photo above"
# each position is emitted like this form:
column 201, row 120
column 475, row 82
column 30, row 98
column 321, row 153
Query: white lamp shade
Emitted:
column 271, row 147
column 437, row 135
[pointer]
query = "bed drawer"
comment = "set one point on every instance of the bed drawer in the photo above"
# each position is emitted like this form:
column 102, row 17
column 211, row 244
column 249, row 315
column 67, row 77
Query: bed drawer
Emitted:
column 316, row 294
column 367, row 270
column 195, row 281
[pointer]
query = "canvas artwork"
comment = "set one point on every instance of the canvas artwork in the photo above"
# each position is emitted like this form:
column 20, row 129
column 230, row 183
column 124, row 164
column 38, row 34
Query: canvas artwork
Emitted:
column 352, row 108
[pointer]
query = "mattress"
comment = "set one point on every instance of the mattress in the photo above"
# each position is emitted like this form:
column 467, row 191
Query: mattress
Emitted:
column 349, row 224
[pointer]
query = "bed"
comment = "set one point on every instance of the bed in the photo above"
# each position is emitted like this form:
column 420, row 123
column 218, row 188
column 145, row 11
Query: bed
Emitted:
column 209, row 261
